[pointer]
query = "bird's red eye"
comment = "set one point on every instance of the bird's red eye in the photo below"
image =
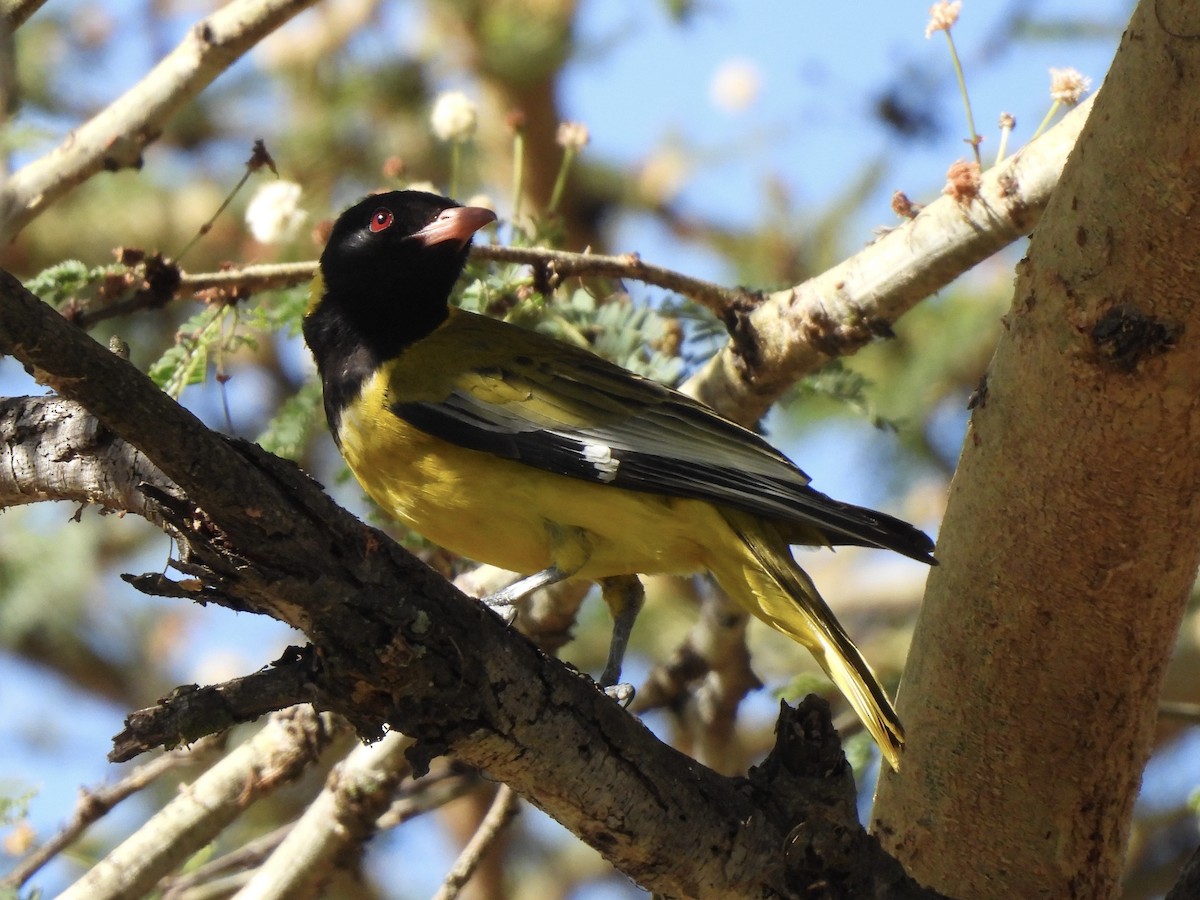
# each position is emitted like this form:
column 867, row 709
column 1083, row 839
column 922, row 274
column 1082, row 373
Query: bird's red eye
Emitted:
column 382, row 218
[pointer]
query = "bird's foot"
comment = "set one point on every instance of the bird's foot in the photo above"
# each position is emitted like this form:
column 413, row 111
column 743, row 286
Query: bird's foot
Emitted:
column 506, row 612
column 523, row 587
column 622, row 693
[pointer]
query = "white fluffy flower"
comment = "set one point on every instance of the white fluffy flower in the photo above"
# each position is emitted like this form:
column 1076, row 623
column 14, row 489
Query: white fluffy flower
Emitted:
column 663, row 175
column 453, row 117
column 274, row 214
column 572, row 135
column 1068, row 85
column 735, row 85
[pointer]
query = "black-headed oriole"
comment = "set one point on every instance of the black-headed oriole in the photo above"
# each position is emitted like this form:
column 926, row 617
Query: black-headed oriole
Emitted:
column 511, row 448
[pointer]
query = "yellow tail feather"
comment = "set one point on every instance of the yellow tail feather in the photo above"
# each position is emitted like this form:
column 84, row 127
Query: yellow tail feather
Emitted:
column 767, row 582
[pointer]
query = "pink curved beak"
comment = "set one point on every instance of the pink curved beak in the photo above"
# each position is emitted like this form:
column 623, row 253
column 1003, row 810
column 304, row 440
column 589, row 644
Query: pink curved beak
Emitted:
column 458, row 223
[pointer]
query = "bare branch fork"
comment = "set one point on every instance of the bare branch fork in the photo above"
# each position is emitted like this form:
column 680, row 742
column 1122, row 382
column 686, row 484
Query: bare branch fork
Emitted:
column 116, row 137
column 94, row 804
column 150, row 492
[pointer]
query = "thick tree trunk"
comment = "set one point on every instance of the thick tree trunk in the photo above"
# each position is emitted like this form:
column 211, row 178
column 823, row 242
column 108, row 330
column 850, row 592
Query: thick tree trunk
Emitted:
column 1073, row 531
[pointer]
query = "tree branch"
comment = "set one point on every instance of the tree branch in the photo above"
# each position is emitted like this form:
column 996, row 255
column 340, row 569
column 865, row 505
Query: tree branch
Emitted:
column 56, row 451
column 779, row 338
column 17, row 12
column 250, row 279
column 342, row 817
column 555, row 265
column 116, row 136
column 291, row 741
column 96, row 803
column 397, row 644
column 193, row 711
column 1071, row 537
column 797, row 330
column 504, row 807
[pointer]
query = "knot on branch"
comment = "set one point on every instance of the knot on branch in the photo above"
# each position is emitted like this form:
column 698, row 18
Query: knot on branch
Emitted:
column 743, row 339
column 1124, row 336
column 834, row 337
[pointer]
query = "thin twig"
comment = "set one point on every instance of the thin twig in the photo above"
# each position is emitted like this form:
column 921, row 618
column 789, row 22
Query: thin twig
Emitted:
column 559, row 264
column 503, row 808
column 427, row 794
column 975, row 139
column 1179, row 710
column 250, row 279
column 96, row 803
column 342, row 816
column 116, row 136
column 286, row 746
column 17, row 12
column 234, row 867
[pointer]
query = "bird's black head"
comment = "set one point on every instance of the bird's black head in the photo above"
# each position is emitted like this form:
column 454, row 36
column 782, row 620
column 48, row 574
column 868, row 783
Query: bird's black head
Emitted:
column 389, row 266
column 384, row 283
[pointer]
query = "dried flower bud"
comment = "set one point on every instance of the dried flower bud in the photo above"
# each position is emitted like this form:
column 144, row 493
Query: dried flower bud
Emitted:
column 1008, row 121
column 515, row 120
column 904, row 207
column 1068, row 85
column 573, row 135
column 942, row 16
column 260, row 157
column 963, row 181
column 129, row 256
column 393, row 167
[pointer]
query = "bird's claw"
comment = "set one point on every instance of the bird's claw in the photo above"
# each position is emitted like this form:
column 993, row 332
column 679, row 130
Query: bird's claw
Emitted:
column 506, row 614
column 622, row 693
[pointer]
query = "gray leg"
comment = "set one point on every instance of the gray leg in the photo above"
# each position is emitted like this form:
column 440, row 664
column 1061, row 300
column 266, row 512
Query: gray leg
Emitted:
column 624, row 595
column 523, row 587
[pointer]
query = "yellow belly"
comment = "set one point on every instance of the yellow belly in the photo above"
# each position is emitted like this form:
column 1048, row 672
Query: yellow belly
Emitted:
column 518, row 517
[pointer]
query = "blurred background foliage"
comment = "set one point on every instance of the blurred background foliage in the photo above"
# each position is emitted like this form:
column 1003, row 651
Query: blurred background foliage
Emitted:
column 342, row 98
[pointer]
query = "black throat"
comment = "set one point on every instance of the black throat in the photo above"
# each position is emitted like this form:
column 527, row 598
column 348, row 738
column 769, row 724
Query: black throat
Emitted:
column 354, row 329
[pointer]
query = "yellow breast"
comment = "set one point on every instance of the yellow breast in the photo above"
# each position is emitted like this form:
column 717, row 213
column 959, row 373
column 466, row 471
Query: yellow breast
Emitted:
column 511, row 515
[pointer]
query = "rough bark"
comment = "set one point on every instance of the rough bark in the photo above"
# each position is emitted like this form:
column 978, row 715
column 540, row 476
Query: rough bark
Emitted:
column 1072, row 535
column 394, row 644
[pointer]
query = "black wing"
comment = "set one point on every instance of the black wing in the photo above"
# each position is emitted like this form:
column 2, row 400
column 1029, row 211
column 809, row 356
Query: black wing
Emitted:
column 577, row 415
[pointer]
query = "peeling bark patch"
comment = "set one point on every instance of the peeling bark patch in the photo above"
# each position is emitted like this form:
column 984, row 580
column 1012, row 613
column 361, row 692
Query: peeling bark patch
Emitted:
column 604, row 841
column 1123, row 337
column 979, row 396
column 422, row 753
column 736, row 317
column 840, row 337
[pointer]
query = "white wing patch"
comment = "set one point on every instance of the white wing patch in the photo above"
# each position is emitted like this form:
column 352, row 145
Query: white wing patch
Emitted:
column 601, row 458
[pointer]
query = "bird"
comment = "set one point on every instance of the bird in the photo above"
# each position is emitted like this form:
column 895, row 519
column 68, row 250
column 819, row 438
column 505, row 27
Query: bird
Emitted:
column 509, row 447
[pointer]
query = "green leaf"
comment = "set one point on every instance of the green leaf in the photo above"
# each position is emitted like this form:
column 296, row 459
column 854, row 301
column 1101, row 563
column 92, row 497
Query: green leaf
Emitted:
column 288, row 433
column 62, row 281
